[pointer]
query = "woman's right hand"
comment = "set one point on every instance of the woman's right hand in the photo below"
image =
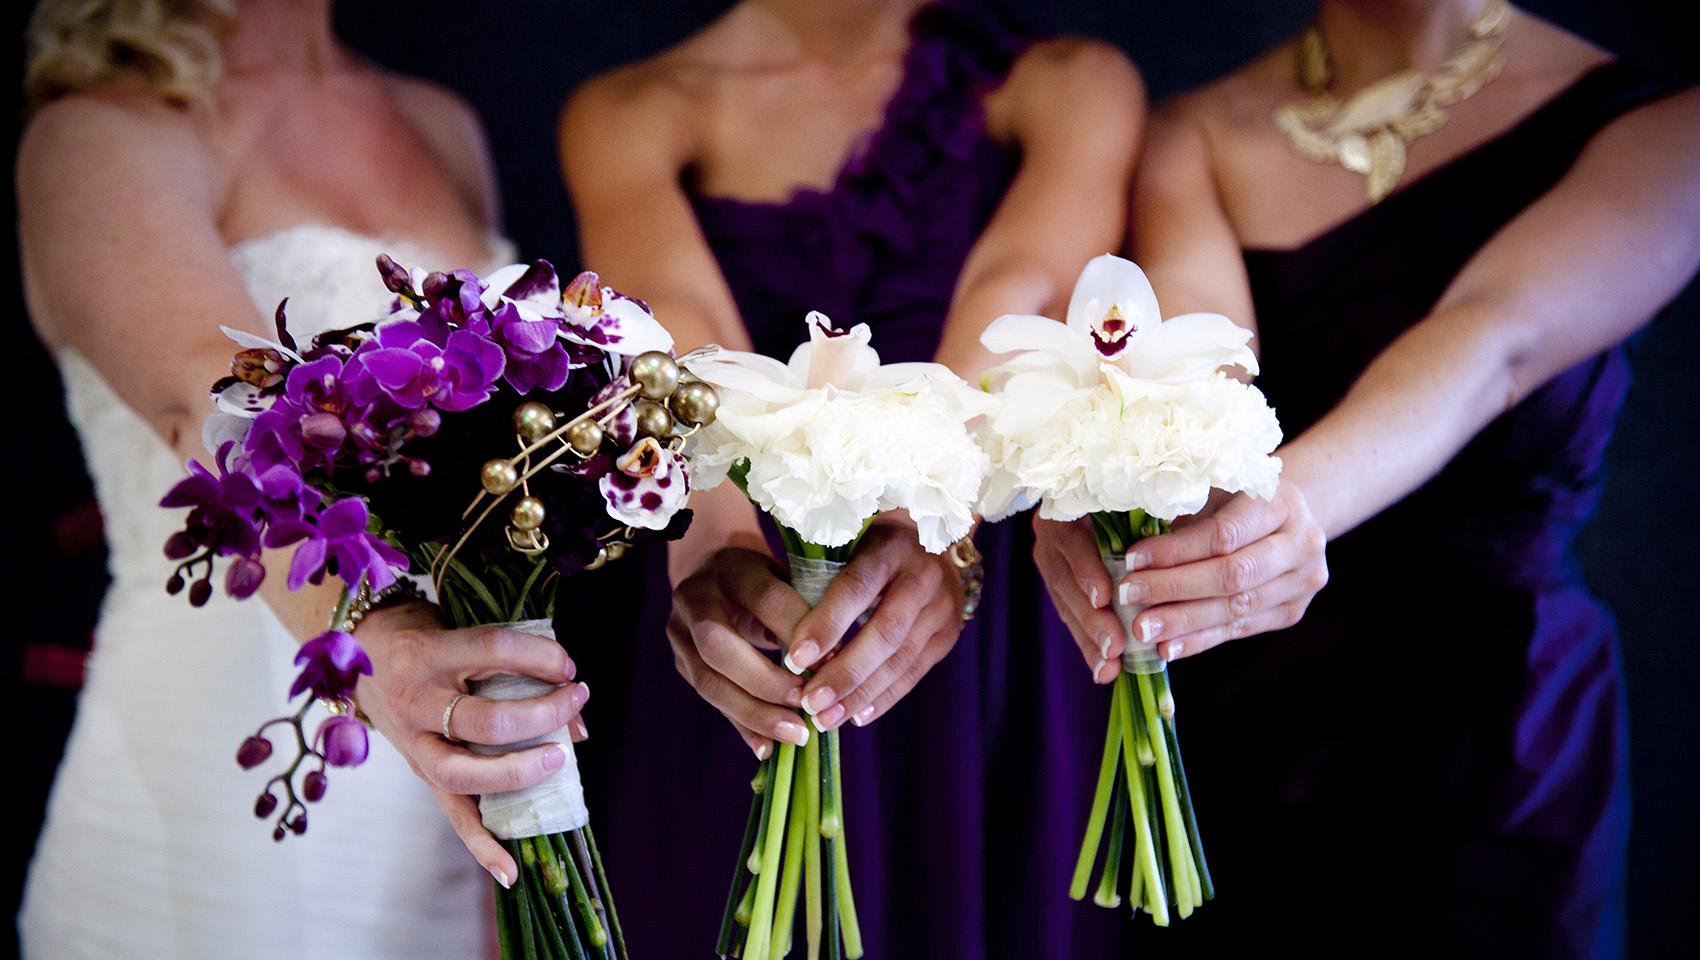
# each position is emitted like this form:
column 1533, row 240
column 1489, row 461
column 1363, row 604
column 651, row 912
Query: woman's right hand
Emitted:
column 736, row 602
column 419, row 668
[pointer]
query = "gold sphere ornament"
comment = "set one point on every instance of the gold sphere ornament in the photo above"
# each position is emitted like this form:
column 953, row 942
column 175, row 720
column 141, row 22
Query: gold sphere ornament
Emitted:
column 653, row 420
column 498, row 477
column 655, row 373
column 533, row 421
column 695, row 403
column 585, row 437
column 528, row 513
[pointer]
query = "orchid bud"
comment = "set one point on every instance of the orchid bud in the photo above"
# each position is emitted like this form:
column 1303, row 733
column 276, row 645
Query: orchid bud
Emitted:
column 264, row 805
column 200, row 592
column 253, row 752
column 425, row 421
column 342, row 741
column 174, row 586
column 179, row 546
column 243, row 577
column 298, row 826
column 278, row 834
column 313, row 786
column 323, row 430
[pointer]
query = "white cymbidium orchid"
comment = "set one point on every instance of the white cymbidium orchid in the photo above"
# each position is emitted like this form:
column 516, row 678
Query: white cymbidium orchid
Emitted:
column 1114, row 336
column 834, row 437
column 1119, row 410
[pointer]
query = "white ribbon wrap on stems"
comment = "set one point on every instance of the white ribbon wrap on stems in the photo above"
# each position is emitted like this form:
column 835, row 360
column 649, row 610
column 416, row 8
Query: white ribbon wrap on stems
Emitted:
column 554, row 805
column 810, row 576
column 1136, row 657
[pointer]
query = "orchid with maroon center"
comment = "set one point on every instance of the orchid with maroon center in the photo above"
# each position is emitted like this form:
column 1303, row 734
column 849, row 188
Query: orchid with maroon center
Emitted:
column 1114, row 335
column 222, row 521
column 602, row 321
column 648, row 486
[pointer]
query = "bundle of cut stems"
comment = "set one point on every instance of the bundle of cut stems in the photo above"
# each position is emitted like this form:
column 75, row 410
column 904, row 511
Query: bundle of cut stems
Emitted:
column 1142, row 789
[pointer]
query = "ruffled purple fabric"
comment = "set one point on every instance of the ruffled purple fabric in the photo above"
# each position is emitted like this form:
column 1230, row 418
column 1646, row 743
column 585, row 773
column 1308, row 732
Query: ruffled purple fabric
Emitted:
column 964, row 803
column 885, row 244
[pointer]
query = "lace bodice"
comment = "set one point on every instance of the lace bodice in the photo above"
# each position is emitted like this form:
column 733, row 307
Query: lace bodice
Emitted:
column 327, row 273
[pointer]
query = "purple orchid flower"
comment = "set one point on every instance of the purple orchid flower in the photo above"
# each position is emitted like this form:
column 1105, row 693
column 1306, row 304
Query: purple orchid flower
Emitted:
column 331, row 664
column 410, row 370
column 222, row 520
column 339, row 538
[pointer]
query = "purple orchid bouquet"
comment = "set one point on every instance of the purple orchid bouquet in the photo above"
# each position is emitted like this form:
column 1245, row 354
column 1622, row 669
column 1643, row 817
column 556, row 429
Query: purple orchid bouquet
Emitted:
column 496, row 433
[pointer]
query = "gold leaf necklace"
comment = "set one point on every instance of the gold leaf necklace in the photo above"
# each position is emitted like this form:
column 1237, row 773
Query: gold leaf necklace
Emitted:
column 1368, row 133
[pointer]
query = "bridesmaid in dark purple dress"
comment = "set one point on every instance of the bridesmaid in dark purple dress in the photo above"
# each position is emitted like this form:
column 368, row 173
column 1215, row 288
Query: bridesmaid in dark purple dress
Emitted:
column 923, row 170
column 1432, row 762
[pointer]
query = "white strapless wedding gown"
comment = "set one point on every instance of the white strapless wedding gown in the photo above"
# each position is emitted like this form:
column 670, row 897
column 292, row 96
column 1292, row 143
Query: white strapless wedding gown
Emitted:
column 150, row 848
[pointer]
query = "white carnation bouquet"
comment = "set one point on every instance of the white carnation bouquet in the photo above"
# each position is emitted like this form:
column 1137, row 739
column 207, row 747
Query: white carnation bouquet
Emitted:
column 824, row 444
column 1129, row 419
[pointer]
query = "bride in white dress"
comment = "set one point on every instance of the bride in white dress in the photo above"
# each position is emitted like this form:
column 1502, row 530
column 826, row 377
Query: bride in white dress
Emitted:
column 250, row 158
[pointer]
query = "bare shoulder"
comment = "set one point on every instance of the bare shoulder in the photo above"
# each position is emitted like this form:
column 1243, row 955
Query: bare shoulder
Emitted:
column 116, row 141
column 1068, row 81
column 454, row 133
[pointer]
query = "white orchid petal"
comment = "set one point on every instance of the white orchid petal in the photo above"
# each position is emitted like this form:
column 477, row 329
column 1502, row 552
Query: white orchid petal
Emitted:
column 1030, row 400
column 1188, row 347
column 500, row 280
column 1109, row 279
column 252, row 342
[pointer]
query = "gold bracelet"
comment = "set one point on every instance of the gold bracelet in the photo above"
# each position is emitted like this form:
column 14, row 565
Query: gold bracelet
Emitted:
column 365, row 601
column 967, row 559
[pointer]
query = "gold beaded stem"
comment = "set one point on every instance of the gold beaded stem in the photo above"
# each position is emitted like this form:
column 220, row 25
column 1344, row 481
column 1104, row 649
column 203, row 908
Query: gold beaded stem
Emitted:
column 607, row 408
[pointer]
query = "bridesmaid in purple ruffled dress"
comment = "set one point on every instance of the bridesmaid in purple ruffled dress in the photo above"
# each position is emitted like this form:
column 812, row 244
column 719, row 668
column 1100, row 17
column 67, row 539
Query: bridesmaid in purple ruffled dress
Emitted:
column 924, row 170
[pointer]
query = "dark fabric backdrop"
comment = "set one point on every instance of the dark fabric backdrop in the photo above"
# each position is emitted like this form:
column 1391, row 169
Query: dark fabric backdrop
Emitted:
column 516, row 60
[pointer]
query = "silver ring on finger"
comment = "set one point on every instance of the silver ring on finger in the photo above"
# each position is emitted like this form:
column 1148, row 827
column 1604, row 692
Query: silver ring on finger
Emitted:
column 448, row 713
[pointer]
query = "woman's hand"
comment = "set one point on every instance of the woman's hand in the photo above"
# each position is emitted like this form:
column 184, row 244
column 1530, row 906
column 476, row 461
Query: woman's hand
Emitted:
column 419, row 668
column 915, row 623
column 735, row 602
column 1243, row 567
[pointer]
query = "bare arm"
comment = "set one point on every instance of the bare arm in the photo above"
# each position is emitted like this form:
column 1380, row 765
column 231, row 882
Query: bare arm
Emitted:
column 118, row 205
column 1075, row 109
column 1576, row 272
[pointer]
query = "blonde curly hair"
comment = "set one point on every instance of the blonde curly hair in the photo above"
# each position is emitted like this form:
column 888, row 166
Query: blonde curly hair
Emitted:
column 173, row 45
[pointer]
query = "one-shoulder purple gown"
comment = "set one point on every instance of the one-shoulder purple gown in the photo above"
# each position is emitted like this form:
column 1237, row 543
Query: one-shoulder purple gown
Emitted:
column 1433, row 761
column 965, row 802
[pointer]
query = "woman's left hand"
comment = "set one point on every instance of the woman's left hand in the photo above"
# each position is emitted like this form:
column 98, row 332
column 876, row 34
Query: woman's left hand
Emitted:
column 916, row 622
column 1240, row 567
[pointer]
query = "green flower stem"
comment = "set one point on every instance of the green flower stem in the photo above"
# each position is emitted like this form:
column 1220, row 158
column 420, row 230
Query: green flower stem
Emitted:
column 1187, row 889
column 752, row 828
column 1144, row 849
column 1106, row 895
column 761, row 917
column 506, row 923
column 607, row 901
column 811, row 846
column 589, row 909
column 845, row 899
column 830, row 941
column 536, row 897
column 1108, row 768
column 791, row 880
column 770, row 770
column 1207, row 890
column 831, row 819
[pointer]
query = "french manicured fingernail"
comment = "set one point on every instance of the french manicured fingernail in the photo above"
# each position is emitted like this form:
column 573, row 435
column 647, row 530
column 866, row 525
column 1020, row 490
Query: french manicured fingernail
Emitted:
column 1137, row 559
column 819, row 700
column 554, row 758
column 830, row 717
column 1150, row 630
column 762, row 748
column 501, row 877
column 579, row 728
column 1134, row 592
column 1173, row 650
column 1098, row 667
column 581, row 694
column 794, row 697
column 863, row 716
column 1104, row 647
column 1092, row 595
column 798, row 658
column 792, row 732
